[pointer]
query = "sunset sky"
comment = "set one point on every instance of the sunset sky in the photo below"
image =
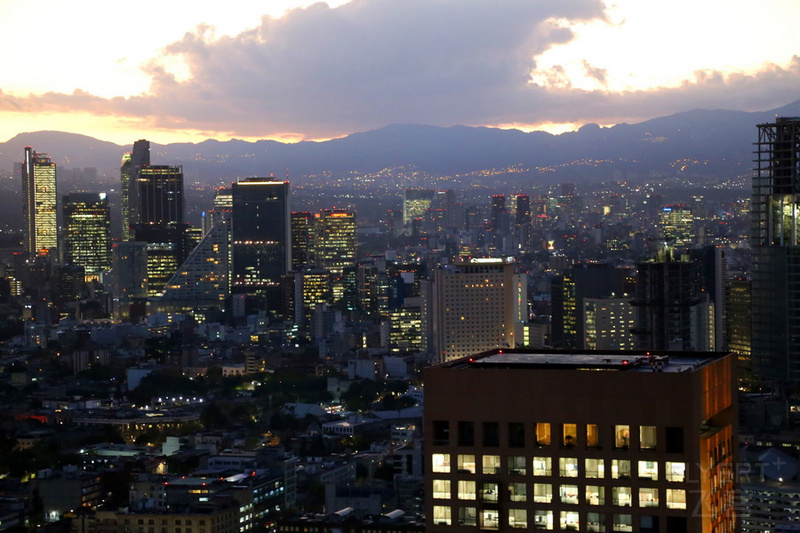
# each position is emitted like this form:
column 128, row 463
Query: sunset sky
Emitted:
column 178, row 70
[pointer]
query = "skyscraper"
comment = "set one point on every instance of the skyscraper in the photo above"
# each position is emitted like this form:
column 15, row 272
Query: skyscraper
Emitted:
column 159, row 222
column 334, row 244
column 302, row 234
column 261, row 238
column 129, row 174
column 87, row 232
column 775, row 248
column 39, row 210
column 415, row 203
column 476, row 306
column 676, row 226
column 523, row 212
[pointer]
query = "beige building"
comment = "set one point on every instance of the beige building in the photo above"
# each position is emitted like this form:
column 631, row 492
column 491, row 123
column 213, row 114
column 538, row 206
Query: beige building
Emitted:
column 581, row 441
column 476, row 306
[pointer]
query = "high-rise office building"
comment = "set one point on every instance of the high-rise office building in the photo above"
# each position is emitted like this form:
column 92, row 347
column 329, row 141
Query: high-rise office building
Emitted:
column 738, row 327
column 523, row 210
column 476, row 306
column 203, row 279
column 776, row 255
column 160, row 195
column 571, row 288
column 334, row 244
column 581, row 441
column 159, row 222
column 261, row 239
column 415, row 203
column 87, row 232
column 498, row 213
column 128, row 275
column 40, row 203
column 672, row 311
column 129, row 174
column 608, row 323
column 302, row 235
column 676, row 226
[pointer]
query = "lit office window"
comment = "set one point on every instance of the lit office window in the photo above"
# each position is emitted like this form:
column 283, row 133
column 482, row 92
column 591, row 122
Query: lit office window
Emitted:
column 440, row 462
column 466, row 490
column 676, row 499
column 466, row 464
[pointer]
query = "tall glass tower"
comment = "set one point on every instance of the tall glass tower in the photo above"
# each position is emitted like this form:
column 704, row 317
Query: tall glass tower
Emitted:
column 261, row 238
column 87, row 232
column 775, row 237
column 40, row 207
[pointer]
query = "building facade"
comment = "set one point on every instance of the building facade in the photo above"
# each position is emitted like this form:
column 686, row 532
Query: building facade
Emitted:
column 261, row 238
column 775, row 245
column 40, row 202
column 476, row 305
column 581, row 441
column 87, row 232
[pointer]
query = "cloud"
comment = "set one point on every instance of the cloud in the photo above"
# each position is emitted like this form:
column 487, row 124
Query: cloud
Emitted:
column 321, row 72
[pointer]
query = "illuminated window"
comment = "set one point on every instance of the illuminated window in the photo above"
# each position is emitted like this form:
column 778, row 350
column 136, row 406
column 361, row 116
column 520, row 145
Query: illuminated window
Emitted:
column 467, row 516
column 568, row 434
column 568, row 466
column 595, row 495
column 466, row 490
column 441, row 489
column 648, row 470
column 543, row 520
column 621, row 496
column 489, row 492
column 543, row 434
column 518, row 518
column 570, row 520
column 675, row 471
column 441, row 515
column 676, row 499
column 466, row 464
column 622, row 436
column 595, row 468
column 490, row 519
column 592, row 436
column 440, row 462
column 648, row 497
column 517, row 492
column 542, row 493
column 647, row 437
column 516, row 465
column 568, row 493
column 542, row 466
column 620, row 469
column 490, row 464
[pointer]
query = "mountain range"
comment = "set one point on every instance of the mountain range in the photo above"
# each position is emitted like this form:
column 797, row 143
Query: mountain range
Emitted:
column 699, row 142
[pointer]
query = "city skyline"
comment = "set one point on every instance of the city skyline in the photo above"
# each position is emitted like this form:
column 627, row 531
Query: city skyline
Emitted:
column 327, row 70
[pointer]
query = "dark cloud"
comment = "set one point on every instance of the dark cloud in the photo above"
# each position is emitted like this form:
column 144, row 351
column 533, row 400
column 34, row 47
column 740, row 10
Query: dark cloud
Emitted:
column 324, row 72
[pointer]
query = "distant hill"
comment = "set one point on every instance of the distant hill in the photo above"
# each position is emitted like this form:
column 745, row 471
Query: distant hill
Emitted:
column 698, row 142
